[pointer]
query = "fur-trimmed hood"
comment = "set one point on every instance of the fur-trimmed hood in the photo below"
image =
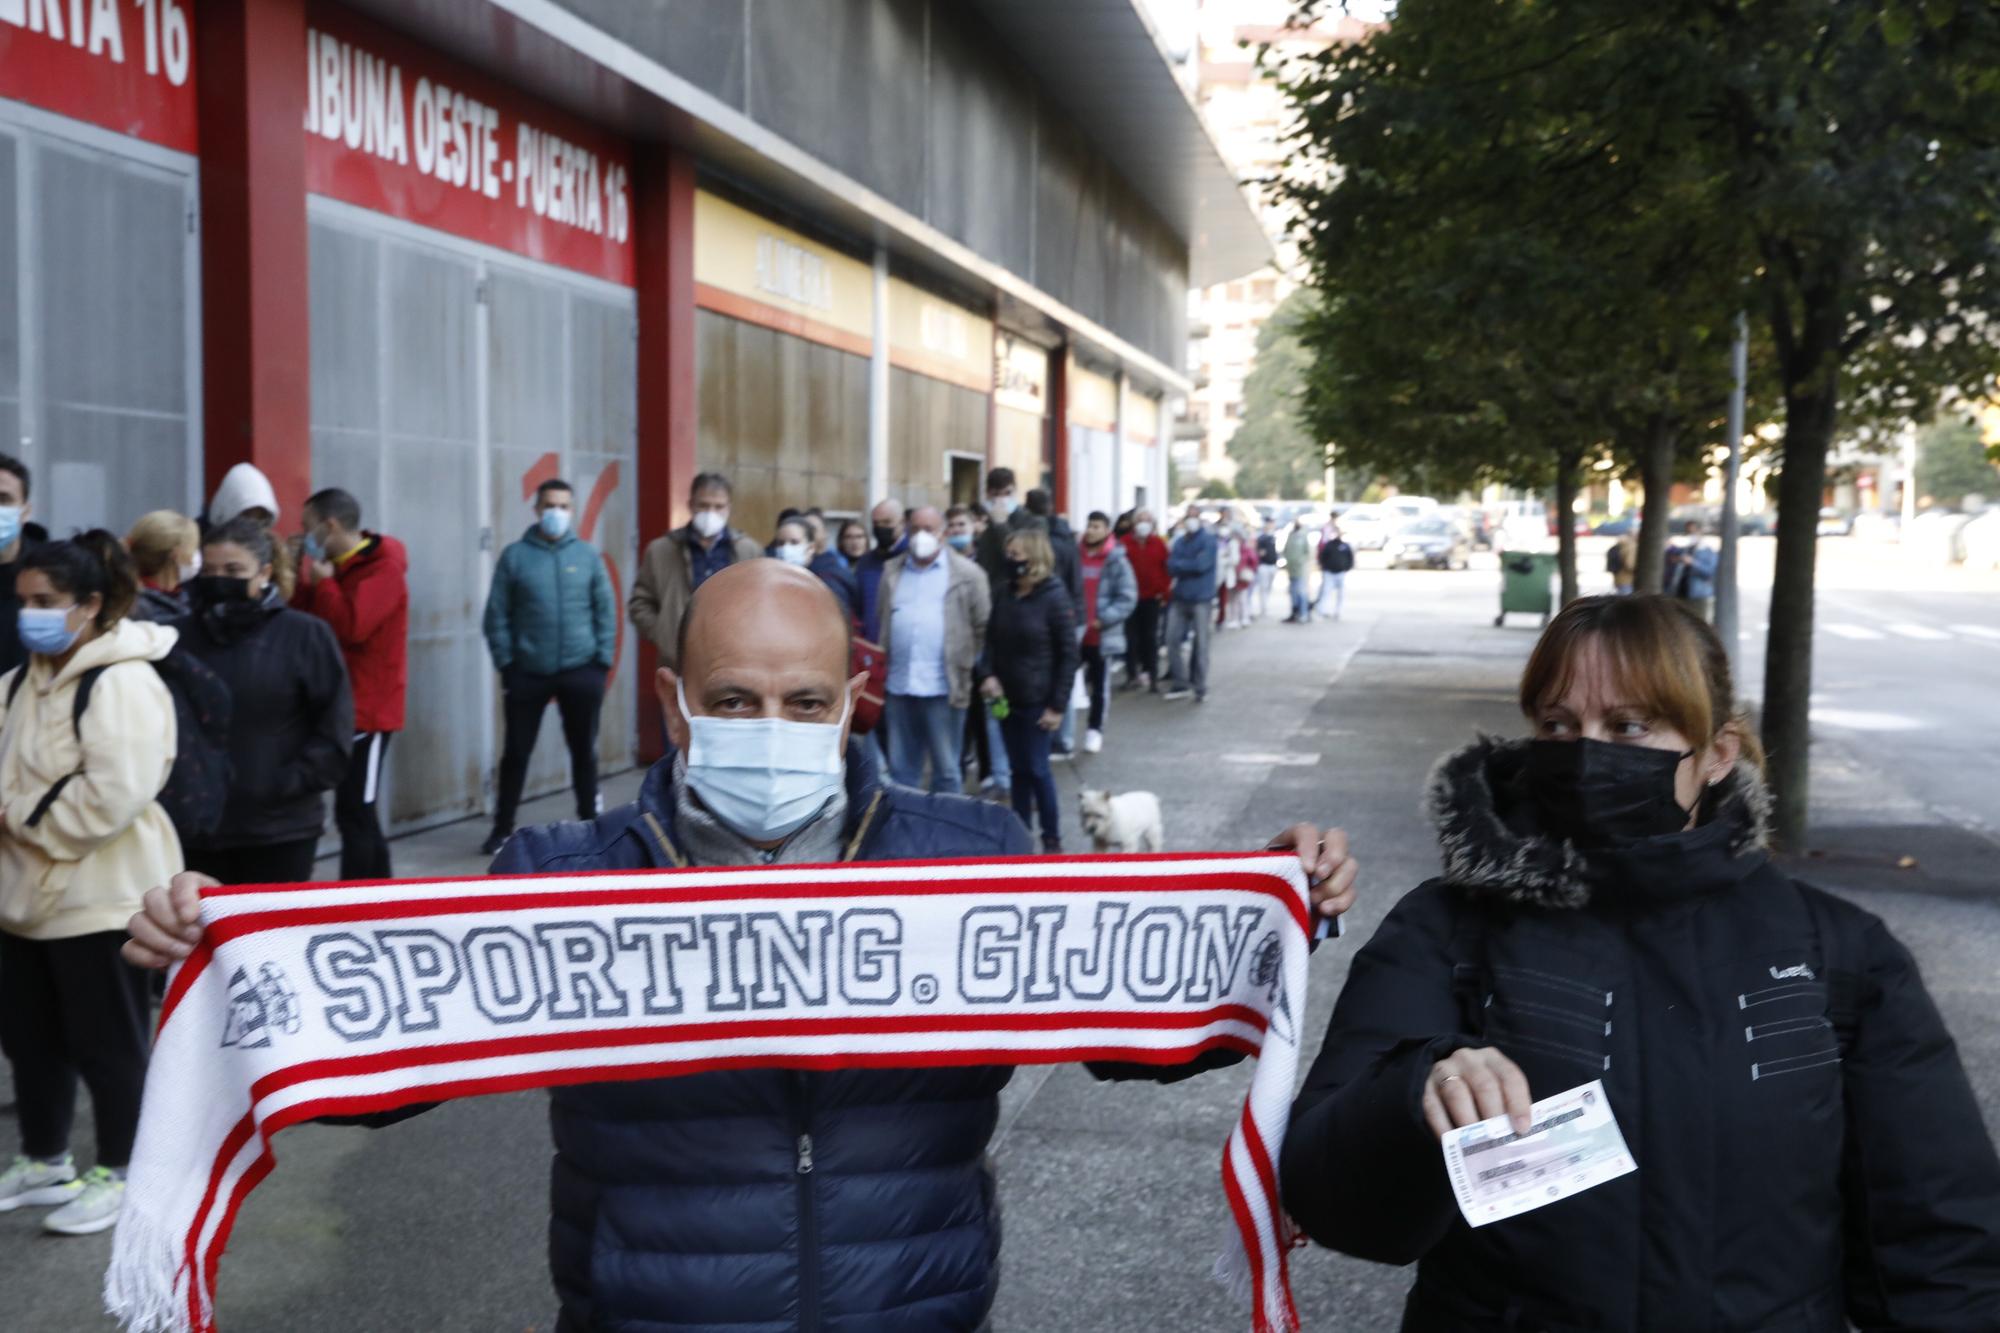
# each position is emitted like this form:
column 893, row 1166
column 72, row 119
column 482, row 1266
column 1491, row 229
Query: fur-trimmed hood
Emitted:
column 1491, row 850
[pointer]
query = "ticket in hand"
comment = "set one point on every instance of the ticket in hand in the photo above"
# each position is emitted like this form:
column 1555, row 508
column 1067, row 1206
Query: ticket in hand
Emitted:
column 1573, row 1145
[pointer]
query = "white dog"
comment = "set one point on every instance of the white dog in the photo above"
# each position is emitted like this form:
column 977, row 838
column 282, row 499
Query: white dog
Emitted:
column 1127, row 823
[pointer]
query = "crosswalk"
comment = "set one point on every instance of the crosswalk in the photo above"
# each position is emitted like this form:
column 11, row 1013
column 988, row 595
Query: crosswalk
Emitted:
column 1910, row 630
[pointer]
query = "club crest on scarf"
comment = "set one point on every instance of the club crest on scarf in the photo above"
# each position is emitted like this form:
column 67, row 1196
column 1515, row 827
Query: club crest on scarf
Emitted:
column 258, row 1006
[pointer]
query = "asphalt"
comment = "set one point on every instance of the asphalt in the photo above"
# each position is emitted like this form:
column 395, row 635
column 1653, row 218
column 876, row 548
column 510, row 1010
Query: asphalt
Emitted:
column 1112, row 1202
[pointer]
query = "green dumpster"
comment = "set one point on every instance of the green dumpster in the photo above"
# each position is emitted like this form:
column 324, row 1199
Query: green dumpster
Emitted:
column 1525, row 585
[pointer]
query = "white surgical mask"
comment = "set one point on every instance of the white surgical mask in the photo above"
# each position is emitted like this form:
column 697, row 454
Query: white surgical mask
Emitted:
column 1000, row 506
column 764, row 777
column 792, row 553
column 923, row 545
column 710, row 522
column 192, row 568
column 555, row 523
column 1144, row 530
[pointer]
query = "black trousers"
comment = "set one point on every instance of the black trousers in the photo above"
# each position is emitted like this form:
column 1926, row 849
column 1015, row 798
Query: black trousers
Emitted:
column 579, row 697
column 74, row 1009
column 364, row 852
column 267, row 863
column 1096, row 680
column 1142, row 639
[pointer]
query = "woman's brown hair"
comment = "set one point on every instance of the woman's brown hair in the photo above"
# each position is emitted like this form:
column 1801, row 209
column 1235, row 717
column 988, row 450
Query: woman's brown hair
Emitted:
column 1035, row 548
column 90, row 564
column 1664, row 658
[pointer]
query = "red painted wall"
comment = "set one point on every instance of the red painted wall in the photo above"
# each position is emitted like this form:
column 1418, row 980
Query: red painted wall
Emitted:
column 256, row 376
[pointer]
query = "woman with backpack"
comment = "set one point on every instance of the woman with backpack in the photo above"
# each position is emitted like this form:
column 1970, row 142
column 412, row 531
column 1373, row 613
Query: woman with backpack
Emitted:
column 82, row 837
column 293, row 722
column 1809, row 1152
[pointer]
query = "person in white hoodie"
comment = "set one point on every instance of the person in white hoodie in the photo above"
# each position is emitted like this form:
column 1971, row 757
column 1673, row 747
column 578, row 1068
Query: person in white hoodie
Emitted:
column 244, row 490
column 82, row 837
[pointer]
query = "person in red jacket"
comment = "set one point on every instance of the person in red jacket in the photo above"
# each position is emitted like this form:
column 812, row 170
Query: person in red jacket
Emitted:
column 359, row 585
column 1148, row 552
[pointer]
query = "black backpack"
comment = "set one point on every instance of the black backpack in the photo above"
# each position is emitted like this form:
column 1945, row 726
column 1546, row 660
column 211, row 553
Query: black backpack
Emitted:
column 198, row 784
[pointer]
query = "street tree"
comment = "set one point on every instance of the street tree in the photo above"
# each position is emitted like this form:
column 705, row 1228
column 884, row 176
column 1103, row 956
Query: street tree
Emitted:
column 1274, row 451
column 1832, row 166
column 1954, row 462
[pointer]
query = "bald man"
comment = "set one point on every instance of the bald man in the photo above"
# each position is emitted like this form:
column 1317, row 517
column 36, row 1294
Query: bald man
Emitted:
column 768, row 1198
column 935, row 604
column 885, row 523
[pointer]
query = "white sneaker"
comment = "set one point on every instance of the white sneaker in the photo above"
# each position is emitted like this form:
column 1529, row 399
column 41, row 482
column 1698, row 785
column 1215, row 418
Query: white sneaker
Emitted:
column 29, row 1184
column 93, row 1210
column 1093, row 741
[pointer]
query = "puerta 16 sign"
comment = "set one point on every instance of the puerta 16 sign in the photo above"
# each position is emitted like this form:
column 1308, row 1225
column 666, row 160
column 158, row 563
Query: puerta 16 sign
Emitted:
column 395, row 128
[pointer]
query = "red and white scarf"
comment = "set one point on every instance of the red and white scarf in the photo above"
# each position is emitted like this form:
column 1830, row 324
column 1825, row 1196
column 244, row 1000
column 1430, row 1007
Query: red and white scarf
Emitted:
column 339, row 1000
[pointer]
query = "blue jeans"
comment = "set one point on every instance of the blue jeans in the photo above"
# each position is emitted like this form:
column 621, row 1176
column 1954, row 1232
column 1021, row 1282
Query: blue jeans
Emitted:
column 1301, row 598
column 925, row 727
column 996, row 751
column 1034, row 780
column 1333, row 588
column 1189, row 670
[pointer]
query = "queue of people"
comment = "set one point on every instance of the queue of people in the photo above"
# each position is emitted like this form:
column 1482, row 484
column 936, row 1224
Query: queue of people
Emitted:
column 182, row 699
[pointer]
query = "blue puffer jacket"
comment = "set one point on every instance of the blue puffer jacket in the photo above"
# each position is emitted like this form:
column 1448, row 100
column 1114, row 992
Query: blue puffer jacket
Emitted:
column 774, row 1201
column 1191, row 561
column 550, row 608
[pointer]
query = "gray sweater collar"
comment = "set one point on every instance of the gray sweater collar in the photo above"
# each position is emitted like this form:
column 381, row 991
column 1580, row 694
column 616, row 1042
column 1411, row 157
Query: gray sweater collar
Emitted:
column 707, row 841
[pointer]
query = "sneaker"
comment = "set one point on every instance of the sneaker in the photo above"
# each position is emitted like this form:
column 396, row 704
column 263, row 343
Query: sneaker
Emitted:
column 494, row 842
column 1061, row 756
column 1145, row 680
column 1051, row 846
column 1177, row 692
column 1093, row 741
column 1201, row 698
column 31, row 1184
column 93, row 1210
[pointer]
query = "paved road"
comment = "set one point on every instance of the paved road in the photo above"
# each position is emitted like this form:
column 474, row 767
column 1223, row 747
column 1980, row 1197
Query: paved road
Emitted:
column 1112, row 1201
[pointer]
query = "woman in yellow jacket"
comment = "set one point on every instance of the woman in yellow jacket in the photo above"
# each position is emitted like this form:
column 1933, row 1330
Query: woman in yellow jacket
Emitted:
column 82, row 837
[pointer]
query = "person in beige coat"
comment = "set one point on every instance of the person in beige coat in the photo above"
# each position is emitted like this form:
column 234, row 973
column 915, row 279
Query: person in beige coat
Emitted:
column 82, row 837
column 678, row 563
column 934, row 606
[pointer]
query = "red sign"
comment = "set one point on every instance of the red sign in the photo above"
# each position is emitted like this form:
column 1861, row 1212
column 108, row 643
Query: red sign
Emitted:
column 394, row 127
column 125, row 65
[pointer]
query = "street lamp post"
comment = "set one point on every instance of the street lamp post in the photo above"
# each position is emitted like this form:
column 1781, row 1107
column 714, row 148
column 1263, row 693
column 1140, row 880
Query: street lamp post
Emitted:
column 1727, row 618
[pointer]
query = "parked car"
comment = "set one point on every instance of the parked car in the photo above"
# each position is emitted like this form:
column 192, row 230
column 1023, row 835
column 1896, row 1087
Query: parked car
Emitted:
column 1429, row 543
column 1758, row 525
column 1979, row 541
column 1366, row 527
column 1834, row 523
column 1622, row 526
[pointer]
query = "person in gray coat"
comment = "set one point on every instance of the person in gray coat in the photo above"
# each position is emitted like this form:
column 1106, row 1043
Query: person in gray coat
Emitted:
column 1110, row 595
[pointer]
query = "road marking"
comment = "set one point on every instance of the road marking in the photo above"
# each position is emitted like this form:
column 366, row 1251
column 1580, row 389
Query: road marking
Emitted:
column 1977, row 631
column 1860, row 632
column 1923, row 632
column 1273, row 760
column 1859, row 720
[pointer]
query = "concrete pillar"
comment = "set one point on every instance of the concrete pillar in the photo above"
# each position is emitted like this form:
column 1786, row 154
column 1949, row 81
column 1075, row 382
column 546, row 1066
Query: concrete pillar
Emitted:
column 878, row 387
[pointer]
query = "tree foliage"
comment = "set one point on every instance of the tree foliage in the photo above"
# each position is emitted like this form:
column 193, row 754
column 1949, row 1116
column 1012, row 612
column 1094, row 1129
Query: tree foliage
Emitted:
column 1275, row 452
column 1953, row 462
column 1530, row 224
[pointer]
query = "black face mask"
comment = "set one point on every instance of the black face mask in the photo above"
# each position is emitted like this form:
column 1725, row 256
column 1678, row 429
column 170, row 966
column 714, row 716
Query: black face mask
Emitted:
column 1596, row 793
column 217, row 590
column 885, row 537
column 1018, row 568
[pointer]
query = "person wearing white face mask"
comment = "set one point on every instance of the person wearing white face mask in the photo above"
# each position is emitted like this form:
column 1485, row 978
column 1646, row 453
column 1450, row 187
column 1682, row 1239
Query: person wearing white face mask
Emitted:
column 813, row 1177
column 934, row 607
column 17, row 537
column 1148, row 554
column 166, row 549
column 676, row 564
column 552, row 630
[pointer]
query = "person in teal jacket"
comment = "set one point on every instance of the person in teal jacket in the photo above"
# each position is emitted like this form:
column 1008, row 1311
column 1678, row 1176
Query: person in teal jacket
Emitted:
column 552, row 628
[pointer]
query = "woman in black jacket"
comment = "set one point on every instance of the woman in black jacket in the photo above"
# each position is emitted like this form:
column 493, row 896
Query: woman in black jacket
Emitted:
column 292, row 721
column 1809, row 1151
column 1033, row 655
